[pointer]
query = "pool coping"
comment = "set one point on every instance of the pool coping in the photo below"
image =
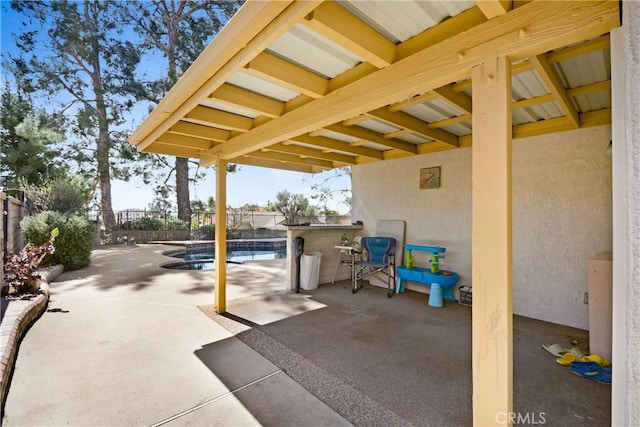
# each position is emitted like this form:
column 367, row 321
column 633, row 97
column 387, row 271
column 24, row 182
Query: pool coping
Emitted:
column 16, row 321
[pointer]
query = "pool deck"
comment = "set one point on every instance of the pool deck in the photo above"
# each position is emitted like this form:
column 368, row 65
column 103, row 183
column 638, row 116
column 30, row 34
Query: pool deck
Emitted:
column 125, row 342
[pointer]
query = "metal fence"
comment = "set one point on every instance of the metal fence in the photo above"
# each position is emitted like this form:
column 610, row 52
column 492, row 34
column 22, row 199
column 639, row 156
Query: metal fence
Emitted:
column 142, row 225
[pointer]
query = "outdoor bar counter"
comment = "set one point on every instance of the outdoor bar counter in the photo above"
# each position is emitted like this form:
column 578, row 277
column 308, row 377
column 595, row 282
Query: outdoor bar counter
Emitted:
column 320, row 238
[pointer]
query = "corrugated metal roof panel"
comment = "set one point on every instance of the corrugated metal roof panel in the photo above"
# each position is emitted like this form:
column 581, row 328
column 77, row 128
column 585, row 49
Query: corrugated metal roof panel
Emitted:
column 584, row 70
column 459, row 129
column 211, row 103
column 414, row 139
column 314, row 52
column 534, row 113
column 263, row 87
column 527, row 85
column 401, row 23
column 378, row 126
column 339, row 136
column 433, row 111
column 593, row 101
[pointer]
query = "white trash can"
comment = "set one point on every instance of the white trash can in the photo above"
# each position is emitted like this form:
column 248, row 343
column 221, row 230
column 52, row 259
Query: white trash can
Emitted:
column 310, row 270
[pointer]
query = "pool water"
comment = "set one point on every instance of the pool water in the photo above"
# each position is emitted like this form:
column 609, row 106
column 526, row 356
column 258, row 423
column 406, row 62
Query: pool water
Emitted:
column 205, row 260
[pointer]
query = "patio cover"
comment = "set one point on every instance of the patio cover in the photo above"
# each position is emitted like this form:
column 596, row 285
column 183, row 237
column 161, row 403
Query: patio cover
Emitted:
column 315, row 85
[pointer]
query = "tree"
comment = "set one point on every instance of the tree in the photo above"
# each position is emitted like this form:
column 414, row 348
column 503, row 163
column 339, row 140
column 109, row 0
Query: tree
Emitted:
column 324, row 191
column 179, row 30
column 235, row 219
column 201, row 206
column 78, row 53
column 28, row 141
column 291, row 205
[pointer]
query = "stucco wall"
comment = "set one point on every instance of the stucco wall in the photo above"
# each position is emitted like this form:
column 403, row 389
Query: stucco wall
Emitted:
column 561, row 215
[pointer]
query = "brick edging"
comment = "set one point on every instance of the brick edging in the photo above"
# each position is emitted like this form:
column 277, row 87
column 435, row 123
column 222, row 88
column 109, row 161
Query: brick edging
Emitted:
column 19, row 316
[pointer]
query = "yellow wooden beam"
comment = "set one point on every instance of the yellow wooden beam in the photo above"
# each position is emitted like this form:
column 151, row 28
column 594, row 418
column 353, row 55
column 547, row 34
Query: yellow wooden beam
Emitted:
column 563, row 54
column 355, row 120
column 439, row 33
column 219, row 118
column 297, row 102
column 542, row 127
column 332, row 144
column 533, row 101
column 397, row 133
column 371, row 136
column 221, row 237
column 590, row 88
column 450, row 121
column 493, row 8
column 254, row 27
column 416, row 100
column 549, row 25
column 553, row 82
column 434, row 147
column 351, row 75
column 312, row 152
column 200, row 131
column 559, row 55
column 291, row 158
column 172, row 150
column 284, row 73
column 272, row 164
column 406, row 121
column 185, row 141
column 338, row 25
column 491, row 243
column 457, row 99
column 248, row 100
column 595, row 118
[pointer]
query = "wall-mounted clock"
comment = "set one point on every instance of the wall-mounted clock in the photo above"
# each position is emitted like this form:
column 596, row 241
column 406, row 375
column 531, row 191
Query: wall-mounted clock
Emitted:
column 430, row 177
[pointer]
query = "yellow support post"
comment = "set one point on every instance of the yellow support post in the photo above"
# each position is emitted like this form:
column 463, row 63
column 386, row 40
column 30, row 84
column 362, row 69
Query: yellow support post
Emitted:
column 221, row 236
column 492, row 327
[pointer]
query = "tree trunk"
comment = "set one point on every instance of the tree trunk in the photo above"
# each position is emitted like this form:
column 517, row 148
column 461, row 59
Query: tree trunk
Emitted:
column 182, row 189
column 103, row 142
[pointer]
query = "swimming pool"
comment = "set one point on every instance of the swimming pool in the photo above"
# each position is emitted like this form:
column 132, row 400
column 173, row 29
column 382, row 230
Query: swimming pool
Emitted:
column 201, row 256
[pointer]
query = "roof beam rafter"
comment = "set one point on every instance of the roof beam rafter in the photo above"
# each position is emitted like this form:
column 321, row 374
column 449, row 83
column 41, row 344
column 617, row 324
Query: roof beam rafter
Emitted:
column 200, row 131
column 417, row 126
column 186, row 141
column 333, row 144
column 457, row 99
column 255, row 26
column 555, row 86
column 312, row 152
column 549, row 26
column 338, row 25
column 237, row 96
column 219, row 118
column 274, row 164
column 493, row 8
column 559, row 55
column 371, row 136
column 173, row 150
column 284, row 73
column 291, row 158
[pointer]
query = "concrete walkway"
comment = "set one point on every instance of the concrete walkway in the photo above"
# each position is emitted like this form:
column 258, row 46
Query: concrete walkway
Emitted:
column 124, row 343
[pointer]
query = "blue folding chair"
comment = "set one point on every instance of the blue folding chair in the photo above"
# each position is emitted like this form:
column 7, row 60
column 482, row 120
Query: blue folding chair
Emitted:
column 378, row 255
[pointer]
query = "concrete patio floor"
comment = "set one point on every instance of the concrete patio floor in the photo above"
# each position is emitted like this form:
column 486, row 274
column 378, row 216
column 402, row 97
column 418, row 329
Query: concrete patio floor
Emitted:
column 124, row 343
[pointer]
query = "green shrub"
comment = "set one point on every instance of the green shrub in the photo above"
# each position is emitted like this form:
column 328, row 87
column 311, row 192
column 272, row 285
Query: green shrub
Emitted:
column 73, row 244
column 67, row 196
column 153, row 223
column 61, row 195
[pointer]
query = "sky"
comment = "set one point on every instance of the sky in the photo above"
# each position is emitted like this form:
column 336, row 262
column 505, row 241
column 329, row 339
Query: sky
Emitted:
column 250, row 184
